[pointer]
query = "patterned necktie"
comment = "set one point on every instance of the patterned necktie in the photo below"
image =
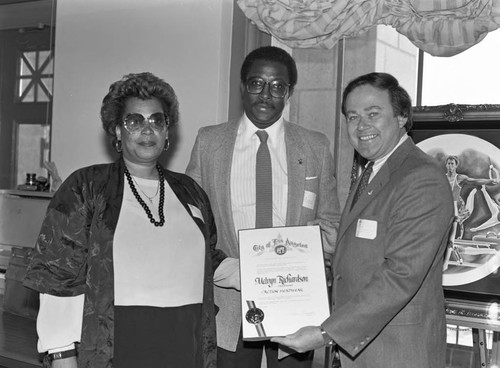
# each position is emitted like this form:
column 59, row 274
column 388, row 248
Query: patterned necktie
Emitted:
column 363, row 183
column 263, row 184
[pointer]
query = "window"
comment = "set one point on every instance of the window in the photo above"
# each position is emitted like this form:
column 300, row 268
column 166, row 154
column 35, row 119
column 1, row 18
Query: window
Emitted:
column 35, row 76
column 470, row 77
column 32, row 142
column 27, row 57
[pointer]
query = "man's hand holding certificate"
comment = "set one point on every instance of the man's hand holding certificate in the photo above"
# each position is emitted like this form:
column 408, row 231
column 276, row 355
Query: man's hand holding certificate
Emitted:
column 283, row 283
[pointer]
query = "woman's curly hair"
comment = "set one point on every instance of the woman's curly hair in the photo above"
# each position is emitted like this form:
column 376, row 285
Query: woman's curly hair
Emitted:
column 140, row 85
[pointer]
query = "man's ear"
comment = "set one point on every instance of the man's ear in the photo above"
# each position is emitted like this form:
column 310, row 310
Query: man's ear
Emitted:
column 242, row 88
column 402, row 121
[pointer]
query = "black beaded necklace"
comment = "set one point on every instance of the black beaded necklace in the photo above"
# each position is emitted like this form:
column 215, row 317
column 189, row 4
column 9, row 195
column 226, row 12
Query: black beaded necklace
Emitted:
column 143, row 204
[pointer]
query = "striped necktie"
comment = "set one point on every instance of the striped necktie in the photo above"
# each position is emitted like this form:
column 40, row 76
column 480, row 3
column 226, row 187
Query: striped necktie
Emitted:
column 263, row 184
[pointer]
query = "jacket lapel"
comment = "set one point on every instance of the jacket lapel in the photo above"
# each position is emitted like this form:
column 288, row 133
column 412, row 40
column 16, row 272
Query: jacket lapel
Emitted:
column 372, row 190
column 378, row 182
column 296, row 165
column 222, row 158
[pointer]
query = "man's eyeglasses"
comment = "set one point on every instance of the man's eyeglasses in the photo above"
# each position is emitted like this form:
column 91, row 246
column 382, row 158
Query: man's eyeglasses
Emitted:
column 277, row 88
column 135, row 123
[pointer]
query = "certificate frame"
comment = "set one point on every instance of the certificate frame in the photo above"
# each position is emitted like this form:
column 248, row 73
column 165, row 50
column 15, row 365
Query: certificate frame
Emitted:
column 283, row 280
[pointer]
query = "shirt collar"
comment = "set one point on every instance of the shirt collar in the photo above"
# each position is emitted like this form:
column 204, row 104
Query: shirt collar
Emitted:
column 381, row 161
column 248, row 129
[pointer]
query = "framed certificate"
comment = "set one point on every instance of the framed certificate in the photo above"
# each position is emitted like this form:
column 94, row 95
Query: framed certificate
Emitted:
column 283, row 280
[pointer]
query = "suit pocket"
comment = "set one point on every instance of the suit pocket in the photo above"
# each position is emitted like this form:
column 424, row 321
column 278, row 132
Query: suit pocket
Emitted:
column 312, row 183
column 410, row 315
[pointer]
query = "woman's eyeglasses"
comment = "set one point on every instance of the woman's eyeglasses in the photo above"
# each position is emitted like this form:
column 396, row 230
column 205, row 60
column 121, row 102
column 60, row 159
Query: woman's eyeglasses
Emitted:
column 277, row 88
column 135, row 123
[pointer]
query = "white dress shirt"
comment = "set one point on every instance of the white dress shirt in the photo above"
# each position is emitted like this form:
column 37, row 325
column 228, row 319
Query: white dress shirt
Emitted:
column 243, row 187
column 243, row 173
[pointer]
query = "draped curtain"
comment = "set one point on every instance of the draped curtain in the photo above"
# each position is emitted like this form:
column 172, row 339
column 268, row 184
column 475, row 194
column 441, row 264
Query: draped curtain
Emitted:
column 438, row 27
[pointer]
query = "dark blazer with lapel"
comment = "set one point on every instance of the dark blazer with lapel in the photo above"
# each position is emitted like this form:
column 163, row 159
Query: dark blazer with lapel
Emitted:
column 389, row 303
column 310, row 169
column 74, row 254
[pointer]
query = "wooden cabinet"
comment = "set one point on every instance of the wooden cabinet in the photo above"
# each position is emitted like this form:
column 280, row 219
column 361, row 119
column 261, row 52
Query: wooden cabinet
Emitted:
column 21, row 216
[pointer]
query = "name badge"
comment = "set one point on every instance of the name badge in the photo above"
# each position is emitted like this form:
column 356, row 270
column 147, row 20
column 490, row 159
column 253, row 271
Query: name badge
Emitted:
column 366, row 229
column 309, row 199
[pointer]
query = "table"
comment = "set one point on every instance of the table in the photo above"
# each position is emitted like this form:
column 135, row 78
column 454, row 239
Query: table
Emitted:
column 481, row 317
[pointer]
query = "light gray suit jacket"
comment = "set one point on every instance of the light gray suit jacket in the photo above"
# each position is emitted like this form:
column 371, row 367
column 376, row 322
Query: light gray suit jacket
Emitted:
column 389, row 303
column 310, row 168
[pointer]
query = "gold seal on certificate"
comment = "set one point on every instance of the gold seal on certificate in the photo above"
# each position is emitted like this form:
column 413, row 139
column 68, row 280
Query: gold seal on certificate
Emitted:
column 283, row 281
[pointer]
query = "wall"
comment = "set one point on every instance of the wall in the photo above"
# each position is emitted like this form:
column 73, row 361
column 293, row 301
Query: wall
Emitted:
column 323, row 74
column 315, row 104
column 186, row 42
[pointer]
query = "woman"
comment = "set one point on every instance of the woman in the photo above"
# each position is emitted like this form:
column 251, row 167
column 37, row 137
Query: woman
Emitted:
column 126, row 253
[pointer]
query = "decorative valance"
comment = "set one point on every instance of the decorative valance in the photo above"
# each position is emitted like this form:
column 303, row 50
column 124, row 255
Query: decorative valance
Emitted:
column 438, row 27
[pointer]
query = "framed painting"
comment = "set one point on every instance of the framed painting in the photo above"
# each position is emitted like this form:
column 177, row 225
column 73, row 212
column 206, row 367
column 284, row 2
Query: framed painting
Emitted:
column 465, row 142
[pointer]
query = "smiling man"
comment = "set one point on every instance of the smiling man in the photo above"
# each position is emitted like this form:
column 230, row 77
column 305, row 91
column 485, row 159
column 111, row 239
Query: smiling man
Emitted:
column 388, row 299
column 262, row 171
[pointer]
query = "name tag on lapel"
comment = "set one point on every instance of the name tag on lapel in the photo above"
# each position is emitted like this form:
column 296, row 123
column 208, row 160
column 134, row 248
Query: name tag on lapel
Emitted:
column 309, row 200
column 366, row 229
